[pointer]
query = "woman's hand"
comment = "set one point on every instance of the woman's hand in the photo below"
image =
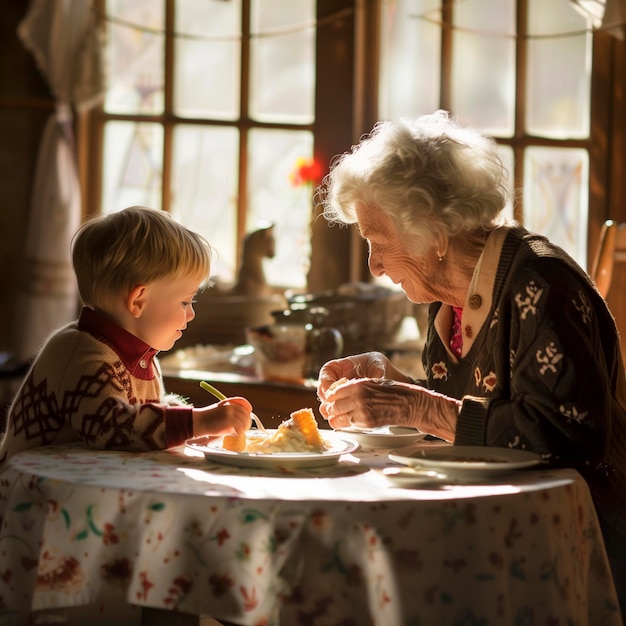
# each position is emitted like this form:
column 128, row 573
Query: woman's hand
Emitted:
column 226, row 417
column 369, row 403
column 366, row 365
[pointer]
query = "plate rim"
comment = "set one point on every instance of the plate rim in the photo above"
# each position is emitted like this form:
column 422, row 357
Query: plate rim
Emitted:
column 450, row 464
column 383, row 440
column 368, row 432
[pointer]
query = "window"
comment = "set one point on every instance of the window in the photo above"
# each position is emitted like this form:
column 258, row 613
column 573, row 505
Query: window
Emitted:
column 210, row 106
column 519, row 70
column 214, row 102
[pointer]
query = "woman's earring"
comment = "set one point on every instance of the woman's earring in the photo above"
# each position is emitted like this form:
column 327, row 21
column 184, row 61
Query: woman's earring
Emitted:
column 441, row 258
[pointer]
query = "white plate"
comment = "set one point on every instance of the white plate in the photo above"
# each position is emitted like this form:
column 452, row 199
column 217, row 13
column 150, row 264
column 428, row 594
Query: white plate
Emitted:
column 289, row 460
column 383, row 437
column 414, row 477
column 468, row 461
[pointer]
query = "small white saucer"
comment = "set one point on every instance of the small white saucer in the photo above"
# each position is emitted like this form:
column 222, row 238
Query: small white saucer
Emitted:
column 384, row 436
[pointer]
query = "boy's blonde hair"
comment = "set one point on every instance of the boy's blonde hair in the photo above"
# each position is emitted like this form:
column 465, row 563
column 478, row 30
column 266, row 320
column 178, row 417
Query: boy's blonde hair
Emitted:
column 114, row 253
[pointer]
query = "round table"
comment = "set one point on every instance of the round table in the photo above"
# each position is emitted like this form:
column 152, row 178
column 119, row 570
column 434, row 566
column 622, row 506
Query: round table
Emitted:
column 324, row 546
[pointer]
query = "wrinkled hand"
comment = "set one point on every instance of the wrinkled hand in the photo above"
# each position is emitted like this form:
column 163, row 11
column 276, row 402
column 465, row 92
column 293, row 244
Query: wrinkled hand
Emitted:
column 369, row 403
column 366, row 365
column 226, row 417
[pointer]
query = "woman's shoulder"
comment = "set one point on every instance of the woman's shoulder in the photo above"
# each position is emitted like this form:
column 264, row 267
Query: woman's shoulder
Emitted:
column 539, row 271
column 526, row 245
column 534, row 255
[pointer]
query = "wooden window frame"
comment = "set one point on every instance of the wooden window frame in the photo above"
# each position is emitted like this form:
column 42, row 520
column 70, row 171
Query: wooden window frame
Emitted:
column 91, row 127
column 345, row 104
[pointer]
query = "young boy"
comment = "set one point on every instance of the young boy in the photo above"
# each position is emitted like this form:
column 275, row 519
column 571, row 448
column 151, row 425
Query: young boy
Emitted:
column 97, row 380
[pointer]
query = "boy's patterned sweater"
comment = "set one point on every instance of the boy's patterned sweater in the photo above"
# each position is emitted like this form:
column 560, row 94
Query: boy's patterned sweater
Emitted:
column 94, row 382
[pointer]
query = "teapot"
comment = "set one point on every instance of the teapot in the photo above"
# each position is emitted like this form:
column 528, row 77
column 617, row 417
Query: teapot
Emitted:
column 295, row 346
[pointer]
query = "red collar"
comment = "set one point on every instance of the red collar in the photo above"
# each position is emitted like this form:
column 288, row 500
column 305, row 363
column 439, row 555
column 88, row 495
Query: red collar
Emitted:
column 136, row 355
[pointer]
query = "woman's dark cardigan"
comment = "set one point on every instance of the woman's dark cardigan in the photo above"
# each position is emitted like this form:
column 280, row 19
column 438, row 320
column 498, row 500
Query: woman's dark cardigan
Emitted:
column 541, row 371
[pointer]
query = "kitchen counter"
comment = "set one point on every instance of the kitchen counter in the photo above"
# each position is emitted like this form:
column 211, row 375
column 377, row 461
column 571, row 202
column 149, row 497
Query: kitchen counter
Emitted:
column 272, row 401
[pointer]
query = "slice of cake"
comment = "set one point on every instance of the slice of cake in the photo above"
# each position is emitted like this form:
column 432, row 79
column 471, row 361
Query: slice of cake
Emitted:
column 235, row 443
column 297, row 434
column 304, row 421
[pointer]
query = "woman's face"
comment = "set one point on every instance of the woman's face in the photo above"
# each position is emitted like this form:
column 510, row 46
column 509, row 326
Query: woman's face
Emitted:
column 419, row 276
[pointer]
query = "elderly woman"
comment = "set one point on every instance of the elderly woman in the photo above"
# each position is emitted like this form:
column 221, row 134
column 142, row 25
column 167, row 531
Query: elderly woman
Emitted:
column 521, row 350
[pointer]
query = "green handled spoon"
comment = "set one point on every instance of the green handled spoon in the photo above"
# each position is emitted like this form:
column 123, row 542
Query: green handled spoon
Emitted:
column 220, row 396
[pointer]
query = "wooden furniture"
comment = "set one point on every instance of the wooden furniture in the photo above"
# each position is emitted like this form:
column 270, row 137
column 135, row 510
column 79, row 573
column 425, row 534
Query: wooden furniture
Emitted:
column 611, row 250
column 272, row 401
column 608, row 273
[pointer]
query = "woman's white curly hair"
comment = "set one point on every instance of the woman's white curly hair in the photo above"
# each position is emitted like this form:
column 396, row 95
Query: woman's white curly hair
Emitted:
column 425, row 174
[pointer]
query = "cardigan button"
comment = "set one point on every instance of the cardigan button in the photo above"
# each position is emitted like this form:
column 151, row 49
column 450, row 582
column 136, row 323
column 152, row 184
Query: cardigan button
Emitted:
column 143, row 364
column 475, row 301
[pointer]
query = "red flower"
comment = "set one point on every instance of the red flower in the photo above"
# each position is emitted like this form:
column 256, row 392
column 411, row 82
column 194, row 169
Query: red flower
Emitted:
column 222, row 536
column 250, row 599
column 110, row 536
column 305, row 171
column 146, row 585
column 220, row 584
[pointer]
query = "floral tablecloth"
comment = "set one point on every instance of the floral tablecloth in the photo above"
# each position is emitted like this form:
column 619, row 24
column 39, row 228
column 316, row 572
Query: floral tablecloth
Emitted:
column 321, row 547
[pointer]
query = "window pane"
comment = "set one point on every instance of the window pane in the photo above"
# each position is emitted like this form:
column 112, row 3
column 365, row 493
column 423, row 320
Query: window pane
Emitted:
column 204, row 189
column 410, row 61
column 484, row 37
column 555, row 197
column 273, row 198
column 508, row 160
column 559, row 71
column 132, row 169
column 135, row 58
column 282, row 51
column 207, row 59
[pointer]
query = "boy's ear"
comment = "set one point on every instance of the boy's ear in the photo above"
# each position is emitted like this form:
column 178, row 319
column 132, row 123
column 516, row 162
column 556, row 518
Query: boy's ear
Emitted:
column 136, row 300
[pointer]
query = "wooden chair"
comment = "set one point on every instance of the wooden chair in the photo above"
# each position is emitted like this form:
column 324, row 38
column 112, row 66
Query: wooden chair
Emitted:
column 611, row 250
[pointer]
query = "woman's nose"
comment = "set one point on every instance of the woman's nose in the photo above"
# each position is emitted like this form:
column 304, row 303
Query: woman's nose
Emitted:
column 375, row 264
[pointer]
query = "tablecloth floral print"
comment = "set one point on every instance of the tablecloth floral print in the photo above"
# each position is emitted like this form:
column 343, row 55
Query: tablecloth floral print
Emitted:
column 167, row 530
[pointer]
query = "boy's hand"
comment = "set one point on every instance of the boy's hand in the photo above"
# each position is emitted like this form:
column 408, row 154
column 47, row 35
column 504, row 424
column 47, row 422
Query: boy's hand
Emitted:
column 226, row 417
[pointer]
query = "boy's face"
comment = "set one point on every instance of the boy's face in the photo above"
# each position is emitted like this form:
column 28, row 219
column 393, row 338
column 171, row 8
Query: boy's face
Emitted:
column 167, row 310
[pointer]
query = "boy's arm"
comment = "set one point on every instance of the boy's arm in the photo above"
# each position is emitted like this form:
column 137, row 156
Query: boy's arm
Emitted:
column 116, row 424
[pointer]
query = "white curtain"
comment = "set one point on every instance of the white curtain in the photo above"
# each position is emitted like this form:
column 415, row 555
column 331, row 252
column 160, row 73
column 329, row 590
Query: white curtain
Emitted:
column 65, row 39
